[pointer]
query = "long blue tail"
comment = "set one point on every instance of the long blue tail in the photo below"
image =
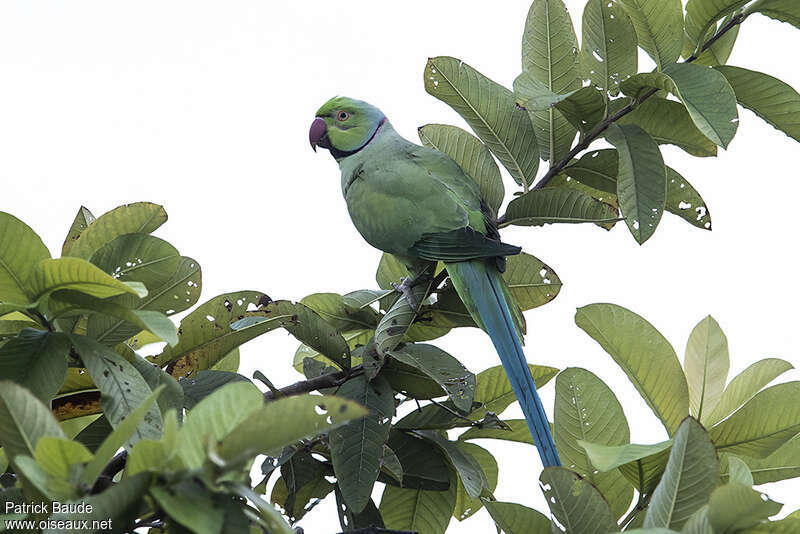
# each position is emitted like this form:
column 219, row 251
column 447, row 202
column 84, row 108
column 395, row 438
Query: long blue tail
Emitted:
column 480, row 286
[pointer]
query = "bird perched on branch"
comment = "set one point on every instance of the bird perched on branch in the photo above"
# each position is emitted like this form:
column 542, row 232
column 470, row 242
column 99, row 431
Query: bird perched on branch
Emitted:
column 416, row 203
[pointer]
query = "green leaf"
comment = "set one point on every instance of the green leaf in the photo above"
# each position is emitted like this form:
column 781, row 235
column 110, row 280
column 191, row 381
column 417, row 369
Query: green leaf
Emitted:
column 75, row 274
column 57, row 455
column 556, row 205
column 24, row 419
column 739, row 472
column 397, row 322
column 82, row 221
column 587, row 410
column 515, row 518
column 331, row 307
column 471, row 155
column 782, row 464
column 465, row 465
column 113, row 506
column 644, row 354
column 77, row 303
column 419, row 510
column 440, row 366
column 214, row 417
column 390, row 271
column 685, row 202
column 550, row 55
column 532, row 282
column 706, row 363
column 490, row 111
column 190, row 504
column 424, row 467
column 608, row 51
column 493, row 389
column 642, row 179
column 357, row 447
column 147, row 455
column 390, row 463
column 745, row 385
column 583, row 108
column 465, row 506
column 659, row 28
column 597, row 169
column 691, row 475
column 763, row 424
column 271, row 517
column 719, row 52
column 136, row 218
column 37, row 360
column 518, row 432
column 642, row 465
column 21, row 249
column 205, row 335
column 173, row 281
column 121, row 386
column 172, row 396
column 204, row 383
column 734, row 506
column 121, row 436
column 353, row 340
column 782, row 10
column 705, row 92
column 771, row 99
column 283, row 421
column 577, row 505
column 669, row 122
column 702, row 16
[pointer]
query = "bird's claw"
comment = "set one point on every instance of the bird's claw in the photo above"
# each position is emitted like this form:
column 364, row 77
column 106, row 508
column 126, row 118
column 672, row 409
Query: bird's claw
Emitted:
column 406, row 288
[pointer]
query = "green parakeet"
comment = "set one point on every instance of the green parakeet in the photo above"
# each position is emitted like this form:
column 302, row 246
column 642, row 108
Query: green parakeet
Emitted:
column 418, row 204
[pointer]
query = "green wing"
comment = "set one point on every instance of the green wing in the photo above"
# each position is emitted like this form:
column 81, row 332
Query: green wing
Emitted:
column 463, row 244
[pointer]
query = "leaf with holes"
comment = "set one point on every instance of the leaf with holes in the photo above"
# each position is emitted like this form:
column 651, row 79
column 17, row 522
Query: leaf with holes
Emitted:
column 706, row 363
column 771, row 99
column 205, row 335
column 608, row 52
column 440, row 366
column 597, row 169
column 745, row 385
column 173, row 281
column 641, row 180
column 583, row 108
column 575, row 503
column 763, row 424
column 550, row 55
column 705, row 92
column 644, row 354
column 587, row 410
column 734, row 507
column 82, row 220
column 78, row 275
column 690, row 477
column 37, row 360
column 659, row 28
column 357, row 447
column 121, row 386
column 491, row 112
column 684, row 201
column 419, row 510
column 515, row 518
column 466, row 506
column 669, row 122
column 556, row 205
column 20, row 251
column 136, row 218
column 472, row 156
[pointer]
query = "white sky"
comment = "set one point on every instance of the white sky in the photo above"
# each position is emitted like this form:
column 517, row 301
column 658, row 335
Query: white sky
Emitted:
column 205, row 109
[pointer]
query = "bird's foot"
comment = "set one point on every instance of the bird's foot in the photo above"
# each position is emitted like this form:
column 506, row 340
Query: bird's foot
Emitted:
column 406, row 288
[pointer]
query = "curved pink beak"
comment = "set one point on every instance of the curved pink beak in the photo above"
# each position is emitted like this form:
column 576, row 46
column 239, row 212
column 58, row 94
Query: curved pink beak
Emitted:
column 318, row 129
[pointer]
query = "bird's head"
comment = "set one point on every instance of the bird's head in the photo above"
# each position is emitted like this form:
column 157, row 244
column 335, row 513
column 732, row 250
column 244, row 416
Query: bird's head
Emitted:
column 344, row 126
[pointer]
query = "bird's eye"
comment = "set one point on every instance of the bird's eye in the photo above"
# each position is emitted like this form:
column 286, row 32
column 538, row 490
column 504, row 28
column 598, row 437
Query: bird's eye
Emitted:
column 342, row 116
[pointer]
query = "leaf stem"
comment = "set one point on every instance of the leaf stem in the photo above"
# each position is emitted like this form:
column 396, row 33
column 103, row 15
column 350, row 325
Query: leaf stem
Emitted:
column 600, row 128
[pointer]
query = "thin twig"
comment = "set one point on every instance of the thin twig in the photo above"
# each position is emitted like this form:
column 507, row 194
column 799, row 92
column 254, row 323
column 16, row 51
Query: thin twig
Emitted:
column 106, row 478
column 605, row 123
column 330, row 380
column 455, row 413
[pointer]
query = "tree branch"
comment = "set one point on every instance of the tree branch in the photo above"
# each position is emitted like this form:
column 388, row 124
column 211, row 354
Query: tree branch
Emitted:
column 603, row 126
column 106, row 478
column 330, row 380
